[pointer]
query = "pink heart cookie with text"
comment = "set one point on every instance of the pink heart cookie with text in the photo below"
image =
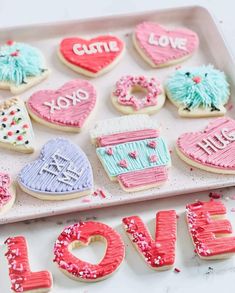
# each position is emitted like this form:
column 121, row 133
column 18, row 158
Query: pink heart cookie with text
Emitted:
column 160, row 46
column 66, row 108
column 91, row 57
column 212, row 149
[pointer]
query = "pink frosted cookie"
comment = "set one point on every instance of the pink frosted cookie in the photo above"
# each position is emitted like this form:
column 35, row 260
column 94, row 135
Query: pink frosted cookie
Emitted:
column 158, row 253
column 132, row 151
column 21, row 276
column 7, row 193
column 211, row 149
column 161, row 47
column 210, row 232
column 124, row 96
column 91, row 57
column 66, row 108
column 82, row 234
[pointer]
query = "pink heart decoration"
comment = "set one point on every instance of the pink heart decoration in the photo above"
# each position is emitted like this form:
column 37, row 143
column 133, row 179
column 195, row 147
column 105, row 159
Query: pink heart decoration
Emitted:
column 68, row 106
column 214, row 147
column 162, row 45
column 92, row 55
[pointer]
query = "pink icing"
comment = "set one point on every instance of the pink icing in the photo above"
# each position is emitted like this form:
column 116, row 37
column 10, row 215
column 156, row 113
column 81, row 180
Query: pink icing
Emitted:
column 114, row 254
column 213, row 147
column 123, row 164
column 153, row 158
column 65, row 111
column 152, row 144
column 5, row 195
column 158, row 252
column 123, row 91
column 21, row 276
column 206, row 231
column 163, row 54
column 133, row 154
column 128, row 136
column 143, row 178
column 93, row 62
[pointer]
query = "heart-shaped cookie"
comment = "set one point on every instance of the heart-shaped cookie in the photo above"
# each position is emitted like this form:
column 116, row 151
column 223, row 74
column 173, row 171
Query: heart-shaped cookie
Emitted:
column 66, row 108
column 91, row 57
column 162, row 47
column 62, row 171
column 212, row 149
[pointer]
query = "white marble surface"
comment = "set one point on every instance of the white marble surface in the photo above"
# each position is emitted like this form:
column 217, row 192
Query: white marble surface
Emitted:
column 133, row 275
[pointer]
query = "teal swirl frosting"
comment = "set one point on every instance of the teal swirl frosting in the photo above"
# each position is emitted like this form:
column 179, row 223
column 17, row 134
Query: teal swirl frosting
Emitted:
column 19, row 61
column 211, row 90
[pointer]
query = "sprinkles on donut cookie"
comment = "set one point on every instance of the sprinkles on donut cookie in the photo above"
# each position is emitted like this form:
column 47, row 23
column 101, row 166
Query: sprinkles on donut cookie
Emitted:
column 125, row 99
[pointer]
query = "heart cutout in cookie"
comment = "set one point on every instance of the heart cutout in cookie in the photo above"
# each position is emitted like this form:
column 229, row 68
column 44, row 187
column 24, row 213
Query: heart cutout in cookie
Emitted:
column 212, row 149
column 66, row 108
column 91, row 57
column 62, row 171
column 160, row 46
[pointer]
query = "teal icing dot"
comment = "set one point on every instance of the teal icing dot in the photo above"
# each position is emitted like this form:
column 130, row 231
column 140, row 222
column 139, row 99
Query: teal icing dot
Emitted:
column 196, row 87
column 19, row 61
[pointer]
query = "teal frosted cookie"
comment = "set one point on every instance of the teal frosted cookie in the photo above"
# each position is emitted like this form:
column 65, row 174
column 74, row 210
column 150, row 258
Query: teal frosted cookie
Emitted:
column 21, row 66
column 198, row 91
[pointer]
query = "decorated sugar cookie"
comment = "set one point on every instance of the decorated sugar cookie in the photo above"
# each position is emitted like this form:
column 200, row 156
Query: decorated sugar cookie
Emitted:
column 66, row 108
column 62, row 171
column 21, row 276
column 81, row 234
column 158, row 253
column 211, row 149
column 210, row 232
column 124, row 95
column 132, row 151
column 7, row 193
column 198, row 92
column 161, row 46
column 21, row 67
column 16, row 131
column 91, row 57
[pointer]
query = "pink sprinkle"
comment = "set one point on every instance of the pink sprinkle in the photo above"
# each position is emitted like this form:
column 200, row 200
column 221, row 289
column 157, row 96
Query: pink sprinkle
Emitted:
column 215, row 195
column 86, row 200
column 109, row 151
column 178, row 67
column 95, row 193
column 152, row 144
column 177, row 270
column 191, row 169
column 177, row 216
column 229, row 106
column 102, row 193
column 233, row 210
column 123, row 164
column 133, row 154
column 170, row 151
column 152, row 158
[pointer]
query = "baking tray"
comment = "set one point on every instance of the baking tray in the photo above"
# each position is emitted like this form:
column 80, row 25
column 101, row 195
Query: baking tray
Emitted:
column 213, row 49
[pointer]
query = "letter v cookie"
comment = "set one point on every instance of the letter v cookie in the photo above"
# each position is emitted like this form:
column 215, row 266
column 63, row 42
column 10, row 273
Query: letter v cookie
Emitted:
column 16, row 132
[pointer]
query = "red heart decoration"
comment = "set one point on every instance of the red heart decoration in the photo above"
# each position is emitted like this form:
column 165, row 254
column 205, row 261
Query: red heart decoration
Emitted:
column 161, row 45
column 214, row 147
column 92, row 55
column 68, row 106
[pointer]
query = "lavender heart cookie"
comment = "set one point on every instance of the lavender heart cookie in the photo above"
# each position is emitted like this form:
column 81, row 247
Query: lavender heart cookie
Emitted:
column 61, row 172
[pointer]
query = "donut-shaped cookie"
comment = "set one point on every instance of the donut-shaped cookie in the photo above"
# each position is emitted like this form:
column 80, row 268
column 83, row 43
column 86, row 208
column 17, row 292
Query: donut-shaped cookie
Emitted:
column 125, row 99
column 82, row 234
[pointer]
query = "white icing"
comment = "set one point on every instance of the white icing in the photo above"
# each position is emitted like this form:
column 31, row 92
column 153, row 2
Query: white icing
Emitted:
column 63, row 168
column 123, row 124
column 217, row 142
column 164, row 41
column 96, row 47
column 64, row 102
